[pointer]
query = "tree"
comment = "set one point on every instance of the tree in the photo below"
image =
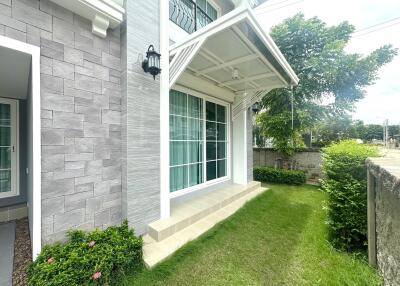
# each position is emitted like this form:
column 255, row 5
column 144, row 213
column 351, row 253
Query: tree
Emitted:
column 334, row 130
column 317, row 54
column 370, row 132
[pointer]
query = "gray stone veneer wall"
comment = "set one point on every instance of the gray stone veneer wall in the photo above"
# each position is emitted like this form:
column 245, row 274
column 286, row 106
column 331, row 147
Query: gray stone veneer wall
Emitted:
column 384, row 215
column 140, row 117
column 81, row 120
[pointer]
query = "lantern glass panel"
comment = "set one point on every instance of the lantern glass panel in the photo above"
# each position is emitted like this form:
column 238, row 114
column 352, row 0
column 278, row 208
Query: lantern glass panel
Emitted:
column 150, row 61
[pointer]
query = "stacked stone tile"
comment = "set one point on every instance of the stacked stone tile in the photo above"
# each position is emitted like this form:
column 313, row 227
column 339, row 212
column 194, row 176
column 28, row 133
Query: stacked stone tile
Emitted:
column 81, row 115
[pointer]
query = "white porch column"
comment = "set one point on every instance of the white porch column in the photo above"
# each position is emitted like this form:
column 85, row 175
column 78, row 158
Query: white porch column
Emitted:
column 164, row 110
column 239, row 149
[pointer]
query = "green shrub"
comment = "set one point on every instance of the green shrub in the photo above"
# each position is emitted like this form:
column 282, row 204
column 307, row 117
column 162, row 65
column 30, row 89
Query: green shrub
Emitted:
column 345, row 183
column 86, row 256
column 271, row 175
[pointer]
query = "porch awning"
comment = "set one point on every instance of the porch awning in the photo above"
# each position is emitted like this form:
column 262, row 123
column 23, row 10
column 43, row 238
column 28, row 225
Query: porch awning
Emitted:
column 207, row 59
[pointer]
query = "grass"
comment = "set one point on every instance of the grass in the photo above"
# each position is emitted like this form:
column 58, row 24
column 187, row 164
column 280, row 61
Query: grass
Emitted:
column 279, row 238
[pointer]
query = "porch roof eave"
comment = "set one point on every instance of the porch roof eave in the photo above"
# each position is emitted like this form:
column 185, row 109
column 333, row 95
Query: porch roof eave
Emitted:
column 249, row 42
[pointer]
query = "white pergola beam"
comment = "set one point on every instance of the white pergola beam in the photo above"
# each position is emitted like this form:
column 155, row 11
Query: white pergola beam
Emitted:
column 269, row 86
column 230, row 63
column 250, row 78
column 180, row 62
column 216, row 82
column 204, row 86
column 217, row 61
column 255, row 50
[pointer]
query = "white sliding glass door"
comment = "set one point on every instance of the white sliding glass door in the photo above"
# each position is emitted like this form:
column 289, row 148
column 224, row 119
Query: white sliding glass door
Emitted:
column 198, row 141
column 8, row 148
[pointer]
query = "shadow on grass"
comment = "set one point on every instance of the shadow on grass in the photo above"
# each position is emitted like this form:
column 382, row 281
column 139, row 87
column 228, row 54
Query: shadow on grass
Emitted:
column 253, row 246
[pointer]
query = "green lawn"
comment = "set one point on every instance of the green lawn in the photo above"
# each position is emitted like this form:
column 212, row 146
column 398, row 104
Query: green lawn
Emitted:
column 278, row 238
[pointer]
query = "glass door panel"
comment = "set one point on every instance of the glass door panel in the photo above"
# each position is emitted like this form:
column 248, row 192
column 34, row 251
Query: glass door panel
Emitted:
column 8, row 158
column 198, row 141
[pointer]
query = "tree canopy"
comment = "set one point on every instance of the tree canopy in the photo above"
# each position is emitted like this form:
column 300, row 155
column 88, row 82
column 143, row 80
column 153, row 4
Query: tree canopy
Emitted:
column 326, row 71
column 335, row 129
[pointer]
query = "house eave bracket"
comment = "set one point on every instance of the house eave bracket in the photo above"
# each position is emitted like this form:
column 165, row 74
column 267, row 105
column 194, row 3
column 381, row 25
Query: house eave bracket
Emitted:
column 103, row 14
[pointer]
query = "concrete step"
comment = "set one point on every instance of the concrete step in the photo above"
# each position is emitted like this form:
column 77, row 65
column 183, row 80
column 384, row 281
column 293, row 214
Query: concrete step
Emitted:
column 156, row 251
column 189, row 212
column 7, row 238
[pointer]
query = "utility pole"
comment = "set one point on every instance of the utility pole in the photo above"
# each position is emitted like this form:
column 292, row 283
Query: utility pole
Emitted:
column 386, row 132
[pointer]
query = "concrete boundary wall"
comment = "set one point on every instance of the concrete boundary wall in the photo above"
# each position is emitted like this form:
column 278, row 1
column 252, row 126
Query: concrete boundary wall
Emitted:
column 384, row 215
column 309, row 160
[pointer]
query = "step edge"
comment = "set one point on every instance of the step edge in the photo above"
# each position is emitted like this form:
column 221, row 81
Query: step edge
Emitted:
column 165, row 232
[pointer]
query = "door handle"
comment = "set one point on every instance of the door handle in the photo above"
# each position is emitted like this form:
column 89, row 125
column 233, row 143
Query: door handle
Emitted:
column 13, row 148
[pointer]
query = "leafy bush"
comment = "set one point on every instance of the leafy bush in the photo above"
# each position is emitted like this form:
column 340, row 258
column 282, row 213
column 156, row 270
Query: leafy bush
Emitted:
column 271, row 175
column 94, row 258
column 346, row 185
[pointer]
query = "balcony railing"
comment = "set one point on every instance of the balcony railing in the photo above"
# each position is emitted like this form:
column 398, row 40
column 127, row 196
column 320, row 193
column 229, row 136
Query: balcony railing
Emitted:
column 187, row 15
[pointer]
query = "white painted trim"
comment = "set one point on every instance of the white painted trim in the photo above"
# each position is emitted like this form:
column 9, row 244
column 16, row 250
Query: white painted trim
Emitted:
column 228, row 176
column 228, row 64
column 273, row 48
column 239, row 148
column 36, row 130
column 187, row 59
column 245, row 146
column 204, row 86
column 208, row 184
column 164, row 110
column 202, row 95
column 14, row 117
column 220, row 24
column 216, row 7
column 36, row 172
column 176, row 33
column 100, row 25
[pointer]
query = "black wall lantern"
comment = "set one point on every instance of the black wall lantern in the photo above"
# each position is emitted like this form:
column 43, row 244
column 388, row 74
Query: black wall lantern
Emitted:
column 152, row 62
column 256, row 107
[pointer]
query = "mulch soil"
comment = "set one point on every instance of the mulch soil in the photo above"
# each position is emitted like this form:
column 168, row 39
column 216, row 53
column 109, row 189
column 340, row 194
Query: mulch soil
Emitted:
column 22, row 252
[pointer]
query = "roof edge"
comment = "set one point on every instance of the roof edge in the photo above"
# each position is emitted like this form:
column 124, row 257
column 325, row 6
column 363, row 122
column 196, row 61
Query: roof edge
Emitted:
column 241, row 13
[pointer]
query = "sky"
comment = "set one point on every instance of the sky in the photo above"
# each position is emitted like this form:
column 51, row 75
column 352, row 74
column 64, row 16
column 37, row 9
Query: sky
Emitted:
column 382, row 100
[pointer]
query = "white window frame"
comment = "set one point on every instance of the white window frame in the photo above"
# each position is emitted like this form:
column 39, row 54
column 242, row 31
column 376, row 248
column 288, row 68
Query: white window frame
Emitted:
column 215, row 6
column 179, row 33
column 14, row 117
column 35, row 224
column 216, row 181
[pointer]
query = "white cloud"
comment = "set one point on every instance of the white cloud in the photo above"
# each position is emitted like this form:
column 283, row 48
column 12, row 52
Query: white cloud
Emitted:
column 383, row 98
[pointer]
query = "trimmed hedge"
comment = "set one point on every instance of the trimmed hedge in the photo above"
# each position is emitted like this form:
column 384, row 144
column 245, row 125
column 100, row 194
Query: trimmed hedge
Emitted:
column 272, row 175
column 346, row 185
column 94, row 258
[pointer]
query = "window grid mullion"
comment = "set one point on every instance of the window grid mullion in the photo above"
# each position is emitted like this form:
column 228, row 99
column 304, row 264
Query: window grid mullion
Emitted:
column 204, row 142
column 201, row 126
column 187, row 138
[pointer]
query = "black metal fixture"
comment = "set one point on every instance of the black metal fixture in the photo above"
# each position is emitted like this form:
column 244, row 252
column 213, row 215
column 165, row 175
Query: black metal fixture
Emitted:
column 152, row 62
column 256, row 107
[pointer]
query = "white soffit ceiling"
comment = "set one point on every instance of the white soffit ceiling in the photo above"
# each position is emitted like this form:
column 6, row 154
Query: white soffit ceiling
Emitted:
column 227, row 50
column 14, row 73
column 233, row 42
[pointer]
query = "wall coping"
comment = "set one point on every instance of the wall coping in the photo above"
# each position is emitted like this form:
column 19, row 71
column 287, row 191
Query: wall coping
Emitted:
column 315, row 150
column 388, row 165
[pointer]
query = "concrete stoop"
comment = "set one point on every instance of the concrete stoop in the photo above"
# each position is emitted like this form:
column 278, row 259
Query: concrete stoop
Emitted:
column 191, row 219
